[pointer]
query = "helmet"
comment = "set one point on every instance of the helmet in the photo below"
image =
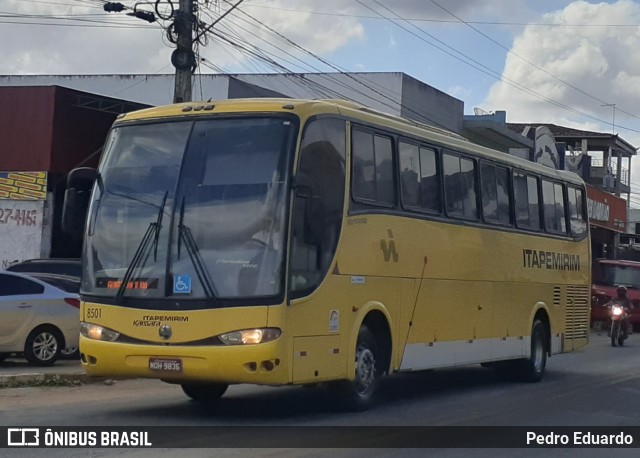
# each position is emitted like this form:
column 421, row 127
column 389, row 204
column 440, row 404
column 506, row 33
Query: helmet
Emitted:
column 622, row 288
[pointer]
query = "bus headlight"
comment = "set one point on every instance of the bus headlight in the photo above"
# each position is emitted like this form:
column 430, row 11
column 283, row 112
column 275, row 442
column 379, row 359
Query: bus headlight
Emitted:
column 250, row 336
column 95, row 332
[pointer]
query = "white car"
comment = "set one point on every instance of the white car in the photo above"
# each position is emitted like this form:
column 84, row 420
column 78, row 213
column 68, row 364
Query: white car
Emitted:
column 37, row 319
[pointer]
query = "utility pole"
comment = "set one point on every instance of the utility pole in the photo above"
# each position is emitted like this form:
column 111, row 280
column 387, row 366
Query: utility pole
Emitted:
column 183, row 58
column 180, row 32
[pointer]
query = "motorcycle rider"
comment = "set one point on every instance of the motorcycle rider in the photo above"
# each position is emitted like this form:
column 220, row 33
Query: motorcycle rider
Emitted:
column 622, row 300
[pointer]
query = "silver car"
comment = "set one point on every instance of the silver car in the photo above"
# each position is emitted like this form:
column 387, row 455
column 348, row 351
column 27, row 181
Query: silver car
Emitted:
column 37, row 319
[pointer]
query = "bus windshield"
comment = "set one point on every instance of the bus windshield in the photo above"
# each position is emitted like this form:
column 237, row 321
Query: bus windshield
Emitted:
column 191, row 210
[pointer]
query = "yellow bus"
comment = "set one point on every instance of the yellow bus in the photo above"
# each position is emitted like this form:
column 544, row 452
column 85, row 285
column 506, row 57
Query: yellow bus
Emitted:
column 294, row 242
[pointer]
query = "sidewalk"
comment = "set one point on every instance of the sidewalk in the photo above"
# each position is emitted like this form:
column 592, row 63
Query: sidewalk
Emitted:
column 15, row 372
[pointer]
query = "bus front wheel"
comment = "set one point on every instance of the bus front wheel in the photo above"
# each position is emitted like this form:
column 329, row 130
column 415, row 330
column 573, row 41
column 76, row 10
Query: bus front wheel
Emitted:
column 204, row 392
column 358, row 394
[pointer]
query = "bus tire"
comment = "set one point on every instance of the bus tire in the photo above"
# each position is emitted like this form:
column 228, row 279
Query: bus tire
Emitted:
column 207, row 393
column 531, row 369
column 358, row 394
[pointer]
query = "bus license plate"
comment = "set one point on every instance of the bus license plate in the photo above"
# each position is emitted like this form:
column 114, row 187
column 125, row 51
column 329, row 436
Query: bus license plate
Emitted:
column 165, row 365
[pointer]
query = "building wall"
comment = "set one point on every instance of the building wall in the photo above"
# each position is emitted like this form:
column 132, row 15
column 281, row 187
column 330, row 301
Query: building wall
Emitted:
column 380, row 91
column 149, row 89
column 23, row 230
column 606, row 210
column 77, row 133
column 393, row 93
column 26, row 128
column 426, row 104
column 45, row 133
column 239, row 89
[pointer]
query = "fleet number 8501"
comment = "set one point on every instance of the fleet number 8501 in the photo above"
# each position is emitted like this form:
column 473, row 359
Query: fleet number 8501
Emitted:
column 93, row 312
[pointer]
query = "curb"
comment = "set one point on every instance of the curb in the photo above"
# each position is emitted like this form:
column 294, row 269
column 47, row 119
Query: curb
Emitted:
column 40, row 379
column 10, row 381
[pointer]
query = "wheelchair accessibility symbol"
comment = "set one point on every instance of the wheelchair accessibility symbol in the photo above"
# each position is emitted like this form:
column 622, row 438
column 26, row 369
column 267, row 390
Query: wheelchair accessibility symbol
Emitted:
column 182, row 284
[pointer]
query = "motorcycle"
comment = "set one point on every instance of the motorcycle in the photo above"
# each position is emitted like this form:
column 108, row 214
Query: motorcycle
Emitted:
column 618, row 325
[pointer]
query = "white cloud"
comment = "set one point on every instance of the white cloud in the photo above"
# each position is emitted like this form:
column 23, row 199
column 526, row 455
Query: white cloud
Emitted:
column 602, row 62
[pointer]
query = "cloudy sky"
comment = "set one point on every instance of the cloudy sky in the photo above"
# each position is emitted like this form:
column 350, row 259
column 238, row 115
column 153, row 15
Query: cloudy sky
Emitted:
column 560, row 61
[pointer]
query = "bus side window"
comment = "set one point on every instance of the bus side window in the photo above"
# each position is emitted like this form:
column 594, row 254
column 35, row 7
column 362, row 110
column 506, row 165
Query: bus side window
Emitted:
column 409, row 174
column 364, row 180
column 419, row 178
column 373, row 177
column 576, row 211
column 460, row 186
column 525, row 192
column 430, row 180
column 495, row 194
column 554, row 217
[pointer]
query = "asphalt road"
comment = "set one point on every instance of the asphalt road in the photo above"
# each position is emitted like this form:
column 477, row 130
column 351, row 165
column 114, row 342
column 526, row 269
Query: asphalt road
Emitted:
column 596, row 386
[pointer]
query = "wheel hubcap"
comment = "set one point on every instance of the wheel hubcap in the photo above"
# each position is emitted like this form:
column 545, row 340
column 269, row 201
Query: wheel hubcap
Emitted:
column 45, row 346
column 365, row 370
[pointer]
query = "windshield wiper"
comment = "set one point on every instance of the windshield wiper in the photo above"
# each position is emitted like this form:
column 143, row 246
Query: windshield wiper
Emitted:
column 184, row 233
column 159, row 226
column 153, row 232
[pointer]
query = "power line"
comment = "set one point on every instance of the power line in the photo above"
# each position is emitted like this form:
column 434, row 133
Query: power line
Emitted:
column 89, row 26
column 443, row 21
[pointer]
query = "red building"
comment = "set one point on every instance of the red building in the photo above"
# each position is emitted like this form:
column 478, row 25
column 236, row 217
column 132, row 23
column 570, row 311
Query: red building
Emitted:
column 46, row 131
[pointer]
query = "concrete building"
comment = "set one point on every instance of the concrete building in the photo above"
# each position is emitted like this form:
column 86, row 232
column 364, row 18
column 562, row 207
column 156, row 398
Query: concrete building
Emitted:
column 394, row 93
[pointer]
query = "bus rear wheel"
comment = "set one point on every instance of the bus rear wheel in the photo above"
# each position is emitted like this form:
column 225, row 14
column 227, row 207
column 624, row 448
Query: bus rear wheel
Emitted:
column 531, row 369
column 207, row 393
column 358, row 394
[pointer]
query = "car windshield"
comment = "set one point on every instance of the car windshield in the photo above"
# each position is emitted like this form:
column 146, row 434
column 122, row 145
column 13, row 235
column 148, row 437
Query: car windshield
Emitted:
column 191, row 210
column 613, row 275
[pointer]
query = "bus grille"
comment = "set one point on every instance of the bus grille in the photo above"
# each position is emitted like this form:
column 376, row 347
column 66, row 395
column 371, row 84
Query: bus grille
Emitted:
column 577, row 317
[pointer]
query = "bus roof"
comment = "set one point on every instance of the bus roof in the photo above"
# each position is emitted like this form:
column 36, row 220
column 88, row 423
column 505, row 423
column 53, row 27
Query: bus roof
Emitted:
column 309, row 107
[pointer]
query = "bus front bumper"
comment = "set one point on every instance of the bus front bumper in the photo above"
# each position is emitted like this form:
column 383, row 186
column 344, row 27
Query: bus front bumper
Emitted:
column 263, row 364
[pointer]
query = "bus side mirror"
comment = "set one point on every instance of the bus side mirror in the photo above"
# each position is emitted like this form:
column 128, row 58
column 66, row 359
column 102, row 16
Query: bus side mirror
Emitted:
column 76, row 200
